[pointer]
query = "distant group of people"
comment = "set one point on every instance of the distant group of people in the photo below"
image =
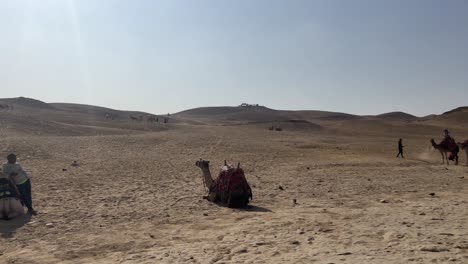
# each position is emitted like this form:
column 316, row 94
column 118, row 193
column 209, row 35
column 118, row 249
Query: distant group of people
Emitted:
column 448, row 142
column 15, row 183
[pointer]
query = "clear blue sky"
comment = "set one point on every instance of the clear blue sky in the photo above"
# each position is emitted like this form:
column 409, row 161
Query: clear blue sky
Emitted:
column 361, row 57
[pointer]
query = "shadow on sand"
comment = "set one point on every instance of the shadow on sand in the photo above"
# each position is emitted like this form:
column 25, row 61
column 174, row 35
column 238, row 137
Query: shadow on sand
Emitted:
column 8, row 227
column 253, row 208
column 249, row 208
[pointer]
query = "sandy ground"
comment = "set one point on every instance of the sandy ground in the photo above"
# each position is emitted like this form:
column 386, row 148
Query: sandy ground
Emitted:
column 136, row 198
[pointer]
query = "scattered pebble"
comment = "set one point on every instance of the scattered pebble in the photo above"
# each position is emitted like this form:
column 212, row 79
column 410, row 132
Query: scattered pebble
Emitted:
column 383, row 201
column 446, row 234
column 344, row 254
column 281, row 188
column 241, row 250
column 434, row 249
column 432, row 194
column 49, row 225
column 295, row 242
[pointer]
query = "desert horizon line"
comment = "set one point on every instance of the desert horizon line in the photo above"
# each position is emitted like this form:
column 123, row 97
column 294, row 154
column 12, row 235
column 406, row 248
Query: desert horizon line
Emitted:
column 235, row 106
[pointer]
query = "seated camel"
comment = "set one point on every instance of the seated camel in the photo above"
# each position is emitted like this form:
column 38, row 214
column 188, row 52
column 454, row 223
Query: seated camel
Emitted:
column 230, row 187
column 10, row 204
column 448, row 151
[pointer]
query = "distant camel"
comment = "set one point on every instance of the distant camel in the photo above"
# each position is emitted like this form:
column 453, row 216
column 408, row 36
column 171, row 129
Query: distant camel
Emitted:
column 2, row 106
column 444, row 150
column 464, row 146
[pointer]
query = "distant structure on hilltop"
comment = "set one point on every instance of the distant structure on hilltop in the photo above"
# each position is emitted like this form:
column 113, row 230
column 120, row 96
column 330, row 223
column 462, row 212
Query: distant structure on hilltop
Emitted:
column 248, row 105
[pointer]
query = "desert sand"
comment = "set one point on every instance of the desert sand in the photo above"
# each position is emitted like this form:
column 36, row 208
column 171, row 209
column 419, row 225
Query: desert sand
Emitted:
column 136, row 196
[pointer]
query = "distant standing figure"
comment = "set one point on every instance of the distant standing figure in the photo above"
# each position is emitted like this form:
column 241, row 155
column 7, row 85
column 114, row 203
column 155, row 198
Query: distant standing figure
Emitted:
column 400, row 148
column 15, row 172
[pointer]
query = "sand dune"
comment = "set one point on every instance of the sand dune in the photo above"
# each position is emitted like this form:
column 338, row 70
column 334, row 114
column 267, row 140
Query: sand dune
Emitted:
column 398, row 116
column 29, row 116
column 136, row 196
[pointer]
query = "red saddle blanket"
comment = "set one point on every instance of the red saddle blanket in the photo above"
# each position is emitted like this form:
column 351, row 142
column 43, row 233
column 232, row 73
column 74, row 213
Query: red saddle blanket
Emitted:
column 449, row 143
column 231, row 181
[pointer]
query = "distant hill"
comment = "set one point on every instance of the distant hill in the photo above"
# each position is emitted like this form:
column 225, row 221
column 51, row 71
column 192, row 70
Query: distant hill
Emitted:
column 26, row 115
column 463, row 109
column 397, row 116
column 98, row 110
column 29, row 116
column 458, row 115
column 23, row 102
column 259, row 114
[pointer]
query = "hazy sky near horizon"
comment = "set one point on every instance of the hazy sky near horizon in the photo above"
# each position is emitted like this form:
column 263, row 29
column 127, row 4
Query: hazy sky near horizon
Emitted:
column 360, row 57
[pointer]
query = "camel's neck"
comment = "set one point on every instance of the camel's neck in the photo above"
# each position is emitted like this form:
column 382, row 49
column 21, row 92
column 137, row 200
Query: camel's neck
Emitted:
column 207, row 176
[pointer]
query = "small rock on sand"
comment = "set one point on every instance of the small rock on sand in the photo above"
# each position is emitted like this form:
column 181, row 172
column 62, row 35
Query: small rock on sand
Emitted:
column 240, row 250
column 344, row 254
column 434, row 249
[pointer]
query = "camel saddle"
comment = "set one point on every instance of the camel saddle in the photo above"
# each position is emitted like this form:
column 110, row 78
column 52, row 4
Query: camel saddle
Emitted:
column 231, row 187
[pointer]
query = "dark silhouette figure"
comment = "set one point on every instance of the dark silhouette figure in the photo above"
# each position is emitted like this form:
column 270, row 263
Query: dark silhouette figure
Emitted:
column 449, row 143
column 400, row 148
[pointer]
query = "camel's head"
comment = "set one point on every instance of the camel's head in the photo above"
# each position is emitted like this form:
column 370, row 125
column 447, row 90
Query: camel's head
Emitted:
column 463, row 145
column 202, row 164
column 434, row 144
